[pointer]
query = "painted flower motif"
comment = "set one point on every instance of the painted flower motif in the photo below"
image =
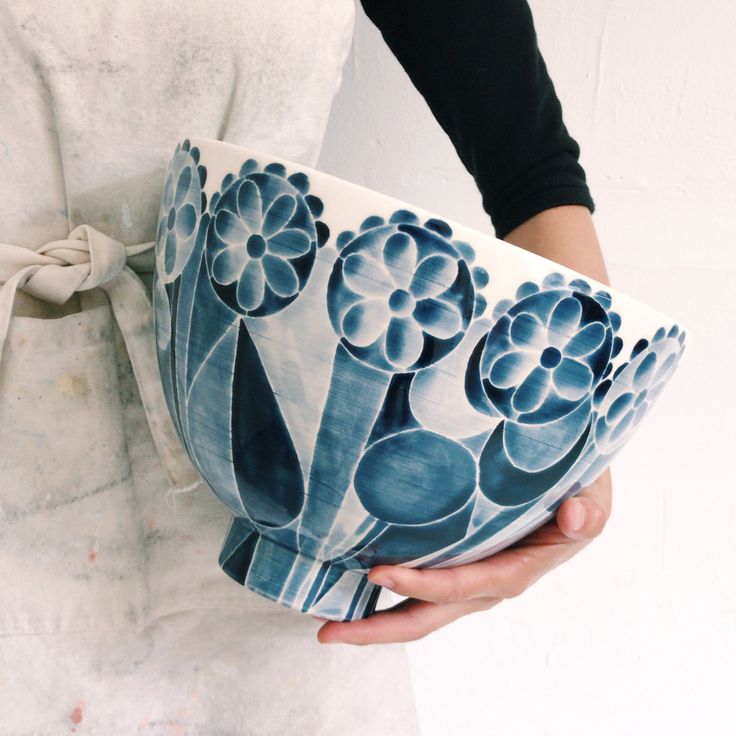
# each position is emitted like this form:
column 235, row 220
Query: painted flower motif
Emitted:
column 182, row 204
column 546, row 352
column 543, row 358
column 401, row 295
column 635, row 386
column 263, row 238
column 400, row 298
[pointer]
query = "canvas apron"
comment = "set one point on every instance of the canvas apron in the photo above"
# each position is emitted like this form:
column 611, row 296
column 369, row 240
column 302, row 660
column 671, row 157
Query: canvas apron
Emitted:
column 115, row 617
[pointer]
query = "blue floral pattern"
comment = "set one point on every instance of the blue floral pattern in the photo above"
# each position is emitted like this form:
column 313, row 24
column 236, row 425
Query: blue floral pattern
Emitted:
column 444, row 429
column 182, row 204
column 636, row 385
column 547, row 351
column 401, row 295
column 263, row 238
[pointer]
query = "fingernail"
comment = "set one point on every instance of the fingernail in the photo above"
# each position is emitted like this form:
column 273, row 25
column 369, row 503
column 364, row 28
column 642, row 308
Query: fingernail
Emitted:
column 577, row 517
column 385, row 581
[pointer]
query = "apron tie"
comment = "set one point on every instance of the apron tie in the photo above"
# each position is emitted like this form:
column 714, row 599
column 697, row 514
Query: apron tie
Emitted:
column 87, row 259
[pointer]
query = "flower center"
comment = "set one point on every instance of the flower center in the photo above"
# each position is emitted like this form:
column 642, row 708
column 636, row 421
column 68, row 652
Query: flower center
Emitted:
column 550, row 357
column 401, row 302
column 171, row 221
column 256, row 246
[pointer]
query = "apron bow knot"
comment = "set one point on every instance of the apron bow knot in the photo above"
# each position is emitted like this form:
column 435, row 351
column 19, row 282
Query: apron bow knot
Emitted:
column 87, row 259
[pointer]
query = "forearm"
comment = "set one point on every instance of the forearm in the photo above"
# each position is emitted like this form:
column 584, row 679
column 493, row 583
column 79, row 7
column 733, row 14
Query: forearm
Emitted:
column 565, row 235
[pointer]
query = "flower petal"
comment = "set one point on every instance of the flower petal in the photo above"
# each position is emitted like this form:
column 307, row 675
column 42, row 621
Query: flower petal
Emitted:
column 665, row 370
column 438, row 317
column 278, row 214
column 400, row 257
column 250, row 205
column 186, row 219
column 564, row 320
column 280, row 275
column 404, row 341
column 251, row 285
column 645, row 371
column 622, row 427
column 229, row 263
column 365, row 321
column 533, row 390
column 510, row 368
column 170, row 252
column 168, row 198
column 366, row 276
column 434, row 275
column 527, row 332
column 182, row 185
column 289, row 243
column 572, row 379
column 230, row 229
column 618, row 407
column 585, row 341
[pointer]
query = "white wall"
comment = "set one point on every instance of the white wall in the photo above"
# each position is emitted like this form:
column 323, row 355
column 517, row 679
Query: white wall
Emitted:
column 637, row 634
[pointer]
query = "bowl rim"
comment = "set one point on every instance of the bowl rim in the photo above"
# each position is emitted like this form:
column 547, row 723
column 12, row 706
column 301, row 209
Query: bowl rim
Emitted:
column 514, row 251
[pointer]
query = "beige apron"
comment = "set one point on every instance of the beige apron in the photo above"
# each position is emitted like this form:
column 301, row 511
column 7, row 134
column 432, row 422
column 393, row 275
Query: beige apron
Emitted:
column 114, row 610
column 115, row 617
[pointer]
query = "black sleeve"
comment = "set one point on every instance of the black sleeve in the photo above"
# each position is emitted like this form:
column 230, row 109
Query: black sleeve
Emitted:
column 478, row 66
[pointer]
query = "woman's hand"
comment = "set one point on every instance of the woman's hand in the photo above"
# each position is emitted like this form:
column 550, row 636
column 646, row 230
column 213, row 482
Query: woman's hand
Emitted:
column 438, row 597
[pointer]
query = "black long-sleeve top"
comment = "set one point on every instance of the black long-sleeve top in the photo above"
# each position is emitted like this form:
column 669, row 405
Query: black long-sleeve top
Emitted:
column 478, row 66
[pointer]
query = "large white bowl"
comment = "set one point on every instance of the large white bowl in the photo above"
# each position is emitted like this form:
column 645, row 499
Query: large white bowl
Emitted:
column 362, row 381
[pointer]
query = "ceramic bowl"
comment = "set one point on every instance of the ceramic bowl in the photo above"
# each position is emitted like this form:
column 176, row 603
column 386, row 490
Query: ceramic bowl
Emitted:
column 362, row 381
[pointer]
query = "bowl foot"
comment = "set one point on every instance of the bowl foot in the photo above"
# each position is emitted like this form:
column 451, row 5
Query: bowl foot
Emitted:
column 293, row 578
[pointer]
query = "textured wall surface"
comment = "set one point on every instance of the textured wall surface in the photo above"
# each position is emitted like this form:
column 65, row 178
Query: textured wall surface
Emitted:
column 637, row 634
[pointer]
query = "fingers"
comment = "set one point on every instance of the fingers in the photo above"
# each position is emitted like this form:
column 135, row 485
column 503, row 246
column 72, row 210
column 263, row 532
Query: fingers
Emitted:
column 584, row 516
column 438, row 596
column 510, row 572
column 407, row 621
column 506, row 574
column 581, row 518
